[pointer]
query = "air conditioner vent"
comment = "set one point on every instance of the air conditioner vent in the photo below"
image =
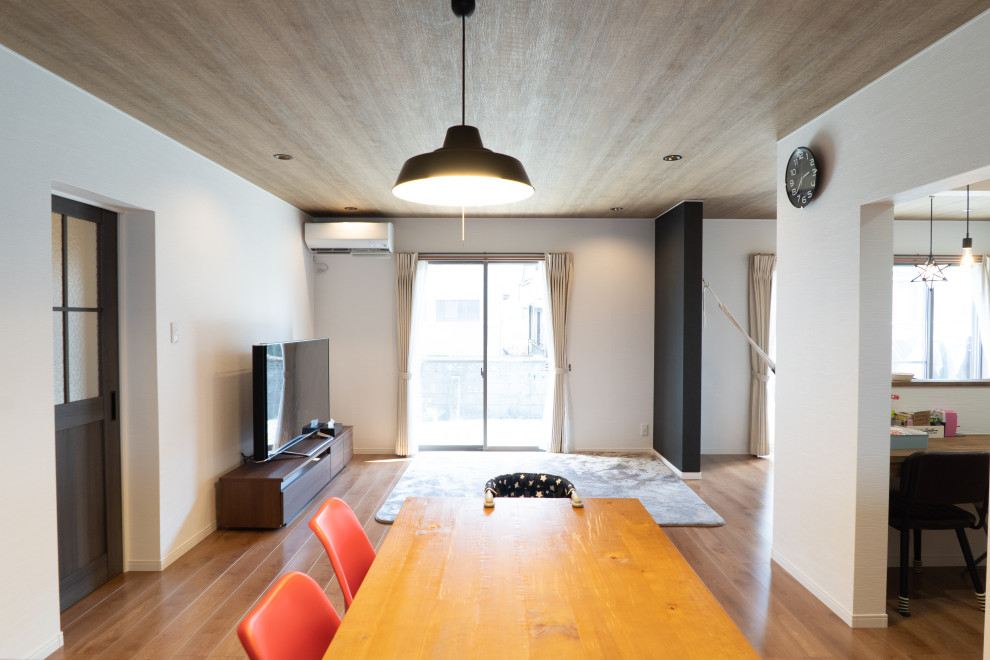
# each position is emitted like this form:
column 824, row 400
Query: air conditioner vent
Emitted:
column 349, row 237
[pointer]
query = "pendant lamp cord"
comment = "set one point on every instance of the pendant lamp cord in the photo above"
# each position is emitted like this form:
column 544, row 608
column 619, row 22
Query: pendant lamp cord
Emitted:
column 931, row 221
column 463, row 66
column 967, row 211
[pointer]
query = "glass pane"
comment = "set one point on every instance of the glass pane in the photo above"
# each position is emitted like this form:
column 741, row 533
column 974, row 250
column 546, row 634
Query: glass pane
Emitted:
column 56, row 260
column 447, row 391
column 81, row 263
column 954, row 354
column 908, row 340
column 84, row 353
column 57, row 342
column 520, row 385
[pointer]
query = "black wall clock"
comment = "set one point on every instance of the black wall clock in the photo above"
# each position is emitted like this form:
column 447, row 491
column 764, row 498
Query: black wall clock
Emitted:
column 801, row 177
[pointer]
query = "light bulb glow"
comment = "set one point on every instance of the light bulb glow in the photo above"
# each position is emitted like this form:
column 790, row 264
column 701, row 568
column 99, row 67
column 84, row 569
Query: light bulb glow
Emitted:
column 967, row 258
column 930, row 272
column 463, row 191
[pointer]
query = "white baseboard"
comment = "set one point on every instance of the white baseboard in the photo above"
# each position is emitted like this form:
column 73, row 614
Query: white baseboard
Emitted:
column 143, row 565
column 877, row 620
column 152, row 565
column 185, row 547
column 726, row 451
column 621, row 450
column 675, row 469
column 49, row 647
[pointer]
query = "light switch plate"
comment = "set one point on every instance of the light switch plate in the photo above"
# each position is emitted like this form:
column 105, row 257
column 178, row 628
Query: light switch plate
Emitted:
column 173, row 332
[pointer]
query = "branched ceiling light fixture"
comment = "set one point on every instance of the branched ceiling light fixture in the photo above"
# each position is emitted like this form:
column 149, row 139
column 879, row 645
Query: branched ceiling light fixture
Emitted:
column 967, row 255
column 462, row 172
column 930, row 272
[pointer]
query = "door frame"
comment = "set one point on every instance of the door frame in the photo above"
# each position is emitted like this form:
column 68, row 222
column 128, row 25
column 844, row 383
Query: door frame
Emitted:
column 108, row 401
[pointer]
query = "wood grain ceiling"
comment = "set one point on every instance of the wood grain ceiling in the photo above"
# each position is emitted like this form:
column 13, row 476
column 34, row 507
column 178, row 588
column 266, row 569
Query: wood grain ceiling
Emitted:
column 588, row 94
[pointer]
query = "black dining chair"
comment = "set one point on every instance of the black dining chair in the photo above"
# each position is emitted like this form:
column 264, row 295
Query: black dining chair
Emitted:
column 530, row 484
column 933, row 485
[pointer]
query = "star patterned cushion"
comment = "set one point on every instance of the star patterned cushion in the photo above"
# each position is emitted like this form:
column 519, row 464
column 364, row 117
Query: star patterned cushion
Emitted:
column 529, row 484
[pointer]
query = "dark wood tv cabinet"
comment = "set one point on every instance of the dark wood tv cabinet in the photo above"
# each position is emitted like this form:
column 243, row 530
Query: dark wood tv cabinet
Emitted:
column 268, row 495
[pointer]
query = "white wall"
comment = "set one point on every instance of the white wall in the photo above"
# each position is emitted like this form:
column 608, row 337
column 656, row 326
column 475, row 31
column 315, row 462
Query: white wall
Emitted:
column 911, row 236
column 918, row 130
column 725, row 367
column 610, row 337
column 199, row 247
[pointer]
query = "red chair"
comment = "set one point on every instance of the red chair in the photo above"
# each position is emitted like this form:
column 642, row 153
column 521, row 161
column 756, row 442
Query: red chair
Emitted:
column 294, row 619
column 343, row 537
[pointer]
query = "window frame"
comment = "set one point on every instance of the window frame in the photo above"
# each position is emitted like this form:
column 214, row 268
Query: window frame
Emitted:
column 977, row 356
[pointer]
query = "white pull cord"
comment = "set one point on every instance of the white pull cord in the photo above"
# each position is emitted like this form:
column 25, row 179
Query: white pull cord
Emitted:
column 756, row 347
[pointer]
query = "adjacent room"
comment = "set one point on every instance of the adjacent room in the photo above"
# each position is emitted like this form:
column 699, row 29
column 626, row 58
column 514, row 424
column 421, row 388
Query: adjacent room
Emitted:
column 723, row 245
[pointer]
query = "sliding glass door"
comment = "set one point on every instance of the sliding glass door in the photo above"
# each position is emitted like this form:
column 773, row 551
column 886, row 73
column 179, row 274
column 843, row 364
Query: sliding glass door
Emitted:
column 447, row 357
column 519, row 383
column 481, row 377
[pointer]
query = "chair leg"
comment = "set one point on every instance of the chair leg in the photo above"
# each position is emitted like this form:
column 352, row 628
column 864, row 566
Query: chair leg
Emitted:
column 916, row 566
column 981, row 596
column 902, row 598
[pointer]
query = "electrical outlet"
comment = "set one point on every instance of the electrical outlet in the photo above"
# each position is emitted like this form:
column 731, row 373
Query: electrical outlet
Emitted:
column 644, row 430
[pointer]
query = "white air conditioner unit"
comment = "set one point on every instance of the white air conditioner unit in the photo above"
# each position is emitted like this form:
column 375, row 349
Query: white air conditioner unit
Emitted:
column 349, row 237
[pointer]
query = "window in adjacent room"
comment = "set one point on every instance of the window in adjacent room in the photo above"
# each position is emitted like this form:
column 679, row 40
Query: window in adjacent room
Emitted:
column 934, row 330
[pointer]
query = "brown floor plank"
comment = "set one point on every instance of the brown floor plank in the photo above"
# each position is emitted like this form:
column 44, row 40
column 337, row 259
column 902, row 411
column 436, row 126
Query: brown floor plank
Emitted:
column 778, row 615
column 191, row 609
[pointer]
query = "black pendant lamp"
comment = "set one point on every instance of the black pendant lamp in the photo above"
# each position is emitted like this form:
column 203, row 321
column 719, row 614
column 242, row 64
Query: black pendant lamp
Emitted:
column 462, row 172
column 930, row 272
column 967, row 256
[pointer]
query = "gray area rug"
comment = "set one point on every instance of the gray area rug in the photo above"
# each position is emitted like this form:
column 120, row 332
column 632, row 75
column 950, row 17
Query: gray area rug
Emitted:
column 644, row 476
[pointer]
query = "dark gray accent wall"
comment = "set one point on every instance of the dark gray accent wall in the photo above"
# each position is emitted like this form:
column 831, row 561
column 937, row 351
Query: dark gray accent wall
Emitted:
column 677, row 342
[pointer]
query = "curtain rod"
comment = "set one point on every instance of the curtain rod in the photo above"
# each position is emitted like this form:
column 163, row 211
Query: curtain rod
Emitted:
column 481, row 256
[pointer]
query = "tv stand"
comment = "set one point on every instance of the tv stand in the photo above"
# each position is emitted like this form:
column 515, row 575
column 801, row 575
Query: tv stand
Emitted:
column 270, row 494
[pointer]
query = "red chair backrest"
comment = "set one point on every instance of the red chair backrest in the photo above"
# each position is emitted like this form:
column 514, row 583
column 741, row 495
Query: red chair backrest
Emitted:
column 346, row 543
column 294, row 619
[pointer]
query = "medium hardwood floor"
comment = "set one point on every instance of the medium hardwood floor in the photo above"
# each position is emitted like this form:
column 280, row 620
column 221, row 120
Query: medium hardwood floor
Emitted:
column 780, row 617
column 191, row 609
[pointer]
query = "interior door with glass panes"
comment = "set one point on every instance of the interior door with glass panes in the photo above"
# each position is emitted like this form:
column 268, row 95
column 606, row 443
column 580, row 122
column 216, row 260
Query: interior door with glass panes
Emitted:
column 87, row 431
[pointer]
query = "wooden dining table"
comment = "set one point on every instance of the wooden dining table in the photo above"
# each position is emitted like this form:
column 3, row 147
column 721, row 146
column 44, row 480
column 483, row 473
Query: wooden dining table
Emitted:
column 532, row 578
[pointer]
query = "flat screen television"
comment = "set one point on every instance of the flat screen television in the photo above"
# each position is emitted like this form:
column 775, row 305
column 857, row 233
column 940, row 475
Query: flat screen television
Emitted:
column 291, row 393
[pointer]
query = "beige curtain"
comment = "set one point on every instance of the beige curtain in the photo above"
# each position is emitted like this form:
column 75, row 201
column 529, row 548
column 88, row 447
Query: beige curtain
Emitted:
column 761, row 267
column 559, row 267
column 405, row 275
column 981, row 299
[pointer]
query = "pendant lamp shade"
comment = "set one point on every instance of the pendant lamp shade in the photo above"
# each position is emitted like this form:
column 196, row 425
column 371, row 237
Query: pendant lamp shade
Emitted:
column 967, row 260
column 462, row 173
column 930, row 272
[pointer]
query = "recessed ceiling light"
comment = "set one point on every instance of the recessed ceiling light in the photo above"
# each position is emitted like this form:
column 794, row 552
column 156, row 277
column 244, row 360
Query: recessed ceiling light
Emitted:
column 350, row 208
column 616, row 208
column 283, row 156
column 672, row 157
